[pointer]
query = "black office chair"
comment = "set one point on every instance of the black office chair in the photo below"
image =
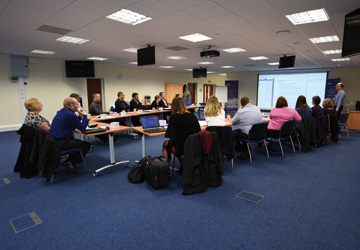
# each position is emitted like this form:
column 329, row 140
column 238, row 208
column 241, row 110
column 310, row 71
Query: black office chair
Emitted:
column 285, row 134
column 257, row 134
column 343, row 122
column 226, row 140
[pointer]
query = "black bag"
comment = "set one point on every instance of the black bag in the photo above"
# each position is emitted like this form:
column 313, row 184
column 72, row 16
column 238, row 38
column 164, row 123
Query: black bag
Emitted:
column 156, row 172
column 135, row 174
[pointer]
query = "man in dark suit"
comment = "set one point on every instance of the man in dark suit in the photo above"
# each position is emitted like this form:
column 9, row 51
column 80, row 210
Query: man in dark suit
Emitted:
column 135, row 104
column 120, row 103
column 163, row 103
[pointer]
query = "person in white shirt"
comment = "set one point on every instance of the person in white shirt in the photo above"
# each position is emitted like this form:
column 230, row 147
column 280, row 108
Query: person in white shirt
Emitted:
column 214, row 114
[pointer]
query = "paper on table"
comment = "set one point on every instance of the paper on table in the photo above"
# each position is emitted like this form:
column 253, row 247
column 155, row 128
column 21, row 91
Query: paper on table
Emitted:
column 202, row 123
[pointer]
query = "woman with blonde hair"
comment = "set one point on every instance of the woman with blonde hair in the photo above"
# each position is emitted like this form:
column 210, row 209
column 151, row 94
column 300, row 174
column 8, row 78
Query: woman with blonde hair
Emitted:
column 214, row 114
column 33, row 118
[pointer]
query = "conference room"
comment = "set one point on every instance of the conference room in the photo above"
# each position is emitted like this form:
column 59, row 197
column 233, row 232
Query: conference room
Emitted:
column 306, row 200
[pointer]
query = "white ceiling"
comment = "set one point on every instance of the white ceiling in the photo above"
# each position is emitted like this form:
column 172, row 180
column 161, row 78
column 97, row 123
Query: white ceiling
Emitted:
column 248, row 24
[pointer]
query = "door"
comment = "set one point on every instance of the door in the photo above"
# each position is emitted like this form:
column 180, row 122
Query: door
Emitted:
column 192, row 89
column 208, row 90
column 171, row 89
column 93, row 86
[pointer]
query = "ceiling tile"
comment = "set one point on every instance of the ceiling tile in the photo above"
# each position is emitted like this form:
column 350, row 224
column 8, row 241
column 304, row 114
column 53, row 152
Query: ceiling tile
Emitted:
column 183, row 4
column 206, row 11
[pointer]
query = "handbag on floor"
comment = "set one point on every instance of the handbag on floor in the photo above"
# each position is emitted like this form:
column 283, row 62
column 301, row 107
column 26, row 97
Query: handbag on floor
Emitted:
column 135, row 174
column 156, row 172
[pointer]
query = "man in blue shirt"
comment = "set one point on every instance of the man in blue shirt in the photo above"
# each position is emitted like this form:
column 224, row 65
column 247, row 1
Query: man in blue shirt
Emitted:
column 339, row 99
column 245, row 117
column 62, row 128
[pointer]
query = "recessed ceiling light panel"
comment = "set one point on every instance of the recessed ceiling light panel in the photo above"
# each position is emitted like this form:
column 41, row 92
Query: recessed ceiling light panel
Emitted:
column 197, row 37
column 70, row 39
column 311, row 16
column 273, row 63
column 234, row 50
column 129, row 17
column 330, row 52
column 227, row 67
column 131, row 50
column 44, row 52
column 166, row 67
column 176, row 57
column 96, row 58
column 205, row 63
column 325, row 39
column 258, row 58
column 340, row 59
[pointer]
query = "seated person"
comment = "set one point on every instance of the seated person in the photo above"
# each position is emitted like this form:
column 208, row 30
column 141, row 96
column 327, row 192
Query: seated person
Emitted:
column 214, row 114
column 120, row 104
column 95, row 106
column 302, row 108
column 182, row 123
column 135, row 104
column 187, row 99
column 333, row 122
column 156, row 103
column 328, row 107
column 279, row 115
column 316, row 109
column 62, row 128
column 163, row 103
column 33, row 119
column 77, row 97
column 245, row 117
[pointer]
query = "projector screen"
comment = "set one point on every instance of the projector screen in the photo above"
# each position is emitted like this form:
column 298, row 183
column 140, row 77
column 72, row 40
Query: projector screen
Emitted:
column 289, row 85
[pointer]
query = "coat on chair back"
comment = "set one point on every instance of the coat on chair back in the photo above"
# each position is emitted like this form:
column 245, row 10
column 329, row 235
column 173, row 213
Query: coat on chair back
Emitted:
column 201, row 170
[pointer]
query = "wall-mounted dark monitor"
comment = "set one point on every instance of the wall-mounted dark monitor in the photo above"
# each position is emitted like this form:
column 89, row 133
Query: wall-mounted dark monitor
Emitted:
column 146, row 56
column 286, row 62
column 351, row 38
column 80, row 68
column 200, row 73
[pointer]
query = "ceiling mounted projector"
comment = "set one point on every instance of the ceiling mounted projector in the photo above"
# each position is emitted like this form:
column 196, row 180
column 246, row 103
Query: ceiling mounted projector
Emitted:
column 210, row 53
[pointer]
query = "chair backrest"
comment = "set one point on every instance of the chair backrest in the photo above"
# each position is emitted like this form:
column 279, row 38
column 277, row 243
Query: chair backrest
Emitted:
column 258, row 131
column 287, row 129
column 226, row 139
column 344, row 117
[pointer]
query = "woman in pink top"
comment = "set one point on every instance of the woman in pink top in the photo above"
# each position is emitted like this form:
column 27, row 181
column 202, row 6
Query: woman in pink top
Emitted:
column 279, row 115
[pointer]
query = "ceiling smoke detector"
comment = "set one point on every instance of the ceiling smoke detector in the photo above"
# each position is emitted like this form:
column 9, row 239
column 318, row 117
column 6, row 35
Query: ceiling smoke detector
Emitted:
column 210, row 52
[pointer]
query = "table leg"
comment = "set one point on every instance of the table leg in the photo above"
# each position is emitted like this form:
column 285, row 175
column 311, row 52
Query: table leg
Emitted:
column 143, row 145
column 111, row 148
column 113, row 163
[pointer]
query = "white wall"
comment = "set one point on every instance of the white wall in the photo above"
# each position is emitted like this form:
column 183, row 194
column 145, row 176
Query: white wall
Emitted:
column 47, row 81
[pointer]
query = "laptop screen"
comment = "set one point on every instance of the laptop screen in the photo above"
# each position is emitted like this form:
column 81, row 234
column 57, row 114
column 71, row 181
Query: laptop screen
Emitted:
column 150, row 121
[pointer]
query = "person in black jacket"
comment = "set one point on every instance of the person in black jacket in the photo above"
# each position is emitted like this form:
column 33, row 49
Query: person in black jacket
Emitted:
column 120, row 103
column 135, row 104
column 156, row 102
column 182, row 123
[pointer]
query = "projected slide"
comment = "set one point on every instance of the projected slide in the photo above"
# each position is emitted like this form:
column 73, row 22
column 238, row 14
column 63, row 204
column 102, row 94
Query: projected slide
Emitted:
column 271, row 86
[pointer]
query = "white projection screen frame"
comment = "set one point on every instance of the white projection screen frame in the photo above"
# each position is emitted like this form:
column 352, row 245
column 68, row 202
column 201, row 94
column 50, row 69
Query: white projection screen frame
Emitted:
column 291, row 86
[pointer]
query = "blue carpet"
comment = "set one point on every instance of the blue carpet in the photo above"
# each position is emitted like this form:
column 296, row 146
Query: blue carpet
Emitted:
column 311, row 201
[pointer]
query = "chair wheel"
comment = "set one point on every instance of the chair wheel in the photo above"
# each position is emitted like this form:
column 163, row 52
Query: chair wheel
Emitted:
column 95, row 174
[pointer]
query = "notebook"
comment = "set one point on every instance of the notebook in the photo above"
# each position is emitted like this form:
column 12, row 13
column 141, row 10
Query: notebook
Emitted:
column 150, row 124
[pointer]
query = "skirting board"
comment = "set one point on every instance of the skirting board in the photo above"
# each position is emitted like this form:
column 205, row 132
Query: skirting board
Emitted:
column 10, row 128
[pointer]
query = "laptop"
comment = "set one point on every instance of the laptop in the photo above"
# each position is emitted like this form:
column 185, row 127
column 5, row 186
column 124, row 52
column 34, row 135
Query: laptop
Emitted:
column 150, row 124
